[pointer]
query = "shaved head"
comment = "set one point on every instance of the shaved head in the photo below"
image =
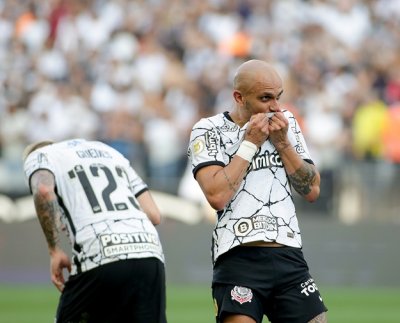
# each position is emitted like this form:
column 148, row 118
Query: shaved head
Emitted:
column 253, row 73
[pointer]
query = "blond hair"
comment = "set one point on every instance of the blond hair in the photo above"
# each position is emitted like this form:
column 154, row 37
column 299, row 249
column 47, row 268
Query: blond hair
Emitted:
column 34, row 146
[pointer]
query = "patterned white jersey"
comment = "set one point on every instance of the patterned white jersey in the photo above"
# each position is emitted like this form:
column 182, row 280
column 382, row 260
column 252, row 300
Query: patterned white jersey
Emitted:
column 97, row 190
column 262, row 209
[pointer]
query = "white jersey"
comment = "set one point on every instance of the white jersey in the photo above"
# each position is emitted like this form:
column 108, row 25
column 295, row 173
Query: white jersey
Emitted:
column 97, row 190
column 262, row 209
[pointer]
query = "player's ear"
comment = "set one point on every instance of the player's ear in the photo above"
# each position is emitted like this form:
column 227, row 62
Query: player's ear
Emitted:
column 238, row 96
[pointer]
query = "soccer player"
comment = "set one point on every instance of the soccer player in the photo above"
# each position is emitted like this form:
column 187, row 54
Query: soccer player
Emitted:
column 247, row 161
column 117, row 269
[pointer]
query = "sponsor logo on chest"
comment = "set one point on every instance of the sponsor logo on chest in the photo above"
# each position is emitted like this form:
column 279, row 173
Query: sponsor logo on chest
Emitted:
column 266, row 160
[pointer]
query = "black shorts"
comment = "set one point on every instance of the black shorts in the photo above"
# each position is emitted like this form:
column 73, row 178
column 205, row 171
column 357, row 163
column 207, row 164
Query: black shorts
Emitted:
column 258, row 281
column 123, row 291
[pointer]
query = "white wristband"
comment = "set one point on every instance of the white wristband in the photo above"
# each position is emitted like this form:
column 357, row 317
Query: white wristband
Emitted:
column 247, row 150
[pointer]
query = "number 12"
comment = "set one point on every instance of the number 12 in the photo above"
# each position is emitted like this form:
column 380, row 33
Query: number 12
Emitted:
column 79, row 171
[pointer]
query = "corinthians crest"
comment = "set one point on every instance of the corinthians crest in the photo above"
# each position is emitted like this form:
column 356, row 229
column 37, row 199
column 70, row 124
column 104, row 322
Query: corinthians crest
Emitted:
column 242, row 294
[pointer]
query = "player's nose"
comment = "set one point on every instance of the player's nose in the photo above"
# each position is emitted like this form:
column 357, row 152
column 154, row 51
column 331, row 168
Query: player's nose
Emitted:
column 274, row 106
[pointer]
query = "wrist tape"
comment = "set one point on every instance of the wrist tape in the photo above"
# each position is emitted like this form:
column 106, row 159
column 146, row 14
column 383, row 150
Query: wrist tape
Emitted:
column 247, row 150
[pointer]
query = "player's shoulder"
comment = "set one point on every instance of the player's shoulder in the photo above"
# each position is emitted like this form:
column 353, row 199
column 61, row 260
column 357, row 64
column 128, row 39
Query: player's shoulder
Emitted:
column 287, row 113
column 100, row 145
column 211, row 122
column 290, row 116
column 80, row 143
column 46, row 156
column 41, row 153
column 87, row 148
column 38, row 159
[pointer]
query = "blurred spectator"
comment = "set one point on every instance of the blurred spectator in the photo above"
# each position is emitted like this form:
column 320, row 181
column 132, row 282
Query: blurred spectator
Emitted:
column 124, row 132
column 137, row 73
column 391, row 134
column 369, row 123
column 12, row 135
column 31, row 28
column 164, row 146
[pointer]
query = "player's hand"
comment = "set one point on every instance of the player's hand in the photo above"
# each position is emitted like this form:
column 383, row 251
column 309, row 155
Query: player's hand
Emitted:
column 59, row 261
column 257, row 129
column 278, row 129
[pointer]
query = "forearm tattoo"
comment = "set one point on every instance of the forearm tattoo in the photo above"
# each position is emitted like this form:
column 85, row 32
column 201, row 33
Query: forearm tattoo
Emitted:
column 47, row 207
column 47, row 213
column 231, row 185
column 234, row 185
column 303, row 178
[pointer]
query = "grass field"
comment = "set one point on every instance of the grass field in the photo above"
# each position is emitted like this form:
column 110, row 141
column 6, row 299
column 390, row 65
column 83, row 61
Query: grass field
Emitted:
column 36, row 304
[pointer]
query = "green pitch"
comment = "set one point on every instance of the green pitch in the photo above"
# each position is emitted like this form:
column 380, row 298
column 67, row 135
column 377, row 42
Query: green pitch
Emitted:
column 36, row 304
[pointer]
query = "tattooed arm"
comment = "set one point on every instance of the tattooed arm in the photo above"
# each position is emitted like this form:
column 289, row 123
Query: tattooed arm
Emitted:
column 47, row 209
column 219, row 184
column 304, row 177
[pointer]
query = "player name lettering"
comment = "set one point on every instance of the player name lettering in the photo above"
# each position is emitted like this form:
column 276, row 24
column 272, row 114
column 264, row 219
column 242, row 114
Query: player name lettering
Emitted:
column 93, row 153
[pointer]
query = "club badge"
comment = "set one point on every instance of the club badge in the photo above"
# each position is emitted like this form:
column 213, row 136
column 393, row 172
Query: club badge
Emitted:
column 241, row 294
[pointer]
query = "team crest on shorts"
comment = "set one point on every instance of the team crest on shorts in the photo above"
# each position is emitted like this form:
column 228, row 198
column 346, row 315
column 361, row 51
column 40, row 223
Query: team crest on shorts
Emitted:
column 242, row 294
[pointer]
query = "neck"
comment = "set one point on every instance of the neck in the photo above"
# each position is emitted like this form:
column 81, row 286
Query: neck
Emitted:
column 238, row 118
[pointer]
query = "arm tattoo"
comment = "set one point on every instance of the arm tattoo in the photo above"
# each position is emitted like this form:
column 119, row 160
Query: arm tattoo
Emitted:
column 303, row 178
column 241, row 176
column 231, row 186
column 47, row 213
column 47, row 207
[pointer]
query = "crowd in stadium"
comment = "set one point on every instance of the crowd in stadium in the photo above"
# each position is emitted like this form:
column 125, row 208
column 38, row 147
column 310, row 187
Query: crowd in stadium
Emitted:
column 138, row 74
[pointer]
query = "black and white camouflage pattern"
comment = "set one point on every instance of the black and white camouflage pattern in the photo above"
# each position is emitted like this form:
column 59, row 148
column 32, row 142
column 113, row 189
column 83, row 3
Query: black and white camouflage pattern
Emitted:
column 262, row 208
column 97, row 191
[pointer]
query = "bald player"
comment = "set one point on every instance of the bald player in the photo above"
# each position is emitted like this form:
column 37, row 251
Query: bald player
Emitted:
column 247, row 162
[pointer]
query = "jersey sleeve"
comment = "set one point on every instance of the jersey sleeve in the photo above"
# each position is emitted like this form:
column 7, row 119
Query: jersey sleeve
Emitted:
column 296, row 138
column 138, row 186
column 205, row 146
column 35, row 161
